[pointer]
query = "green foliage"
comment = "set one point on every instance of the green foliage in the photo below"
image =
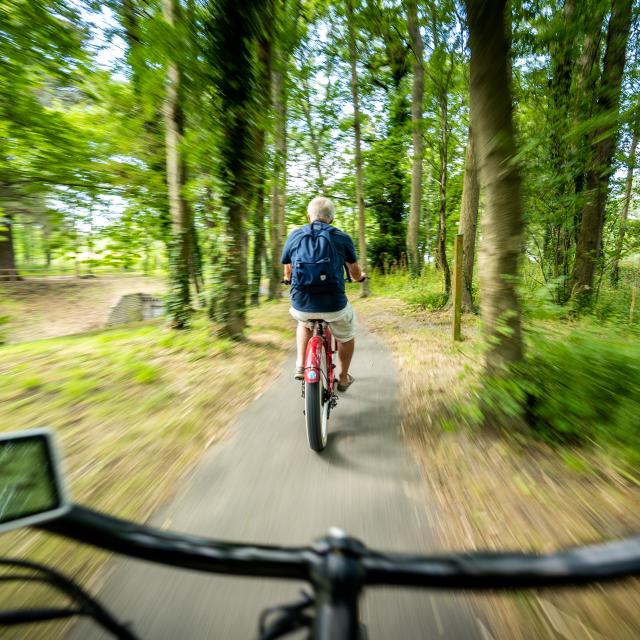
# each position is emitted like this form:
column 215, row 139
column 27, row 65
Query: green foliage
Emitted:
column 421, row 300
column 4, row 320
column 146, row 373
column 423, row 293
column 578, row 388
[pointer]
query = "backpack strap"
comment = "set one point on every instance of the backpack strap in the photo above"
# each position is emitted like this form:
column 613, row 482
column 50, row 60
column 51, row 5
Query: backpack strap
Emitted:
column 307, row 230
column 326, row 234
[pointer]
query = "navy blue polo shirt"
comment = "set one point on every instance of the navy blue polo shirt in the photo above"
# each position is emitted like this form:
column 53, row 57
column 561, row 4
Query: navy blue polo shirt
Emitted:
column 332, row 300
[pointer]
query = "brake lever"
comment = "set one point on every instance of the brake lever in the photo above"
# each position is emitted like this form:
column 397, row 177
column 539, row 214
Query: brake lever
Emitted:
column 291, row 617
column 87, row 604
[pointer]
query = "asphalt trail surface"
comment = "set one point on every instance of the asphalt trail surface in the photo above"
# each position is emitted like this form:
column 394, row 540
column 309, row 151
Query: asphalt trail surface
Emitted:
column 263, row 484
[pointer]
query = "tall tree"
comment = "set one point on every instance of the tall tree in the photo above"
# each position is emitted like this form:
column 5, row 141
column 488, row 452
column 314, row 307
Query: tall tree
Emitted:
column 261, row 124
column 502, row 221
column 128, row 12
column 469, row 222
column 559, row 233
column 387, row 182
column 174, row 122
column 144, row 113
column 602, row 149
column 415, row 213
column 587, row 76
column 279, row 170
column 313, row 134
column 355, row 96
column 8, row 269
column 41, row 52
column 231, row 29
column 287, row 15
column 626, row 202
column 442, row 66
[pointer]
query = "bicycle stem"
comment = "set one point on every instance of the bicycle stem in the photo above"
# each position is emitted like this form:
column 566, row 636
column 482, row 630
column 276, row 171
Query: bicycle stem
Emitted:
column 337, row 578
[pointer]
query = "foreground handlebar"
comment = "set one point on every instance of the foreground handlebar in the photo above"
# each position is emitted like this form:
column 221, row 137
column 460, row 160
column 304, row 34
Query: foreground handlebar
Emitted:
column 499, row 570
column 180, row 550
column 477, row 571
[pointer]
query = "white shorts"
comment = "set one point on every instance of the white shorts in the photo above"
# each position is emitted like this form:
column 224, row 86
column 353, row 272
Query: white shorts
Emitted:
column 342, row 323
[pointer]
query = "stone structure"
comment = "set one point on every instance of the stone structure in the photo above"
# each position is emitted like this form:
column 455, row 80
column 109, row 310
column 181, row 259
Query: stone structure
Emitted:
column 135, row 307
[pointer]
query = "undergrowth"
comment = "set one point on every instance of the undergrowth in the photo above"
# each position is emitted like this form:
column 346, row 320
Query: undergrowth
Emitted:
column 575, row 387
column 424, row 293
column 579, row 384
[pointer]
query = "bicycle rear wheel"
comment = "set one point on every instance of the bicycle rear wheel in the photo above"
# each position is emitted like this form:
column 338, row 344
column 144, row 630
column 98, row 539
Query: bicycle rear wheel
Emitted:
column 316, row 398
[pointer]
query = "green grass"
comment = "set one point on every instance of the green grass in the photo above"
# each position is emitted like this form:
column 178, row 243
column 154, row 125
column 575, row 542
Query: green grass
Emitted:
column 425, row 293
column 399, row 284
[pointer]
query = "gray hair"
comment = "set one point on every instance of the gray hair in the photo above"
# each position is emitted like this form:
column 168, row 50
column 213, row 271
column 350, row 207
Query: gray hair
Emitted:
column 321, row 208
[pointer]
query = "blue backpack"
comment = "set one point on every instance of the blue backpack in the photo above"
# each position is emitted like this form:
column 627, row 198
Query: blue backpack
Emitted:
column 316, row 265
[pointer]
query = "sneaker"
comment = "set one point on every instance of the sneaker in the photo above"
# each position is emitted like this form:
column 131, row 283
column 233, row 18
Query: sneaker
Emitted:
column 299, row 375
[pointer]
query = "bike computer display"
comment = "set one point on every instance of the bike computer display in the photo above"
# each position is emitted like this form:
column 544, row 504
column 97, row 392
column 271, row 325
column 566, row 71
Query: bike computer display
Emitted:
column 31, row 487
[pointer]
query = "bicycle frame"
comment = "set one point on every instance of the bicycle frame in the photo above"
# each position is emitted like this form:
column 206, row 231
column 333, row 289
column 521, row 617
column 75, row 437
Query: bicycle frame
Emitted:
column 313, row 357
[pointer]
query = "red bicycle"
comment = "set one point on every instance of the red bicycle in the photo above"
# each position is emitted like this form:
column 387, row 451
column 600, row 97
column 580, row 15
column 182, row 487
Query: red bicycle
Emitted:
column 319, row 384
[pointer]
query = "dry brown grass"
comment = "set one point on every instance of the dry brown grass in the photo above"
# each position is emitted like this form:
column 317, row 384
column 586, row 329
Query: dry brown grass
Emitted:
column 506, row 493
column 134, row 410
column 49, row 307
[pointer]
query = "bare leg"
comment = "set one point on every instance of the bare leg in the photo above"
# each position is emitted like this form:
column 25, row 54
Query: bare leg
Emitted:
column 345, row 353
column 302, row 337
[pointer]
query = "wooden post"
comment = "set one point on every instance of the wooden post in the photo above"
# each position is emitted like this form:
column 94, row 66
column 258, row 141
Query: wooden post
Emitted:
column 457, row 287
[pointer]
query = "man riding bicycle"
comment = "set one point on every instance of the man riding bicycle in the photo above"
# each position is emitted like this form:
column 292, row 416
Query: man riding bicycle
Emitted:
column 314, row 257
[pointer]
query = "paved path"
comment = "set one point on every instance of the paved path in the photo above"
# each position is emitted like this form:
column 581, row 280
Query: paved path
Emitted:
column 264, row 484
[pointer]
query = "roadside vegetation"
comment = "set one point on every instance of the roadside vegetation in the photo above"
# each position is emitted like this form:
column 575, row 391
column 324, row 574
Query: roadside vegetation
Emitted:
column 134, row 409
column 565, row 391
column 565, row 474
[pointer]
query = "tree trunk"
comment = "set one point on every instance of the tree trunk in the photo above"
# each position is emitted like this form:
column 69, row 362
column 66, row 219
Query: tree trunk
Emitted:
column 264, row 93
column 8, row 269
column 46, row 240
column 315, row 143
column 559, row 233
column 417, row 91
column 258, row 244
column 131, row 26
column 469, row 222
column 232, row 30
column 442, row 81
column 602, row 150
column 195, row 255
column 587, row 73
column 502, row 221
column 90, row 245
column 232, row 312
column 358, row 143
column 442, row 193
column 278, row 177
column 179, row 250
column 624, row 212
